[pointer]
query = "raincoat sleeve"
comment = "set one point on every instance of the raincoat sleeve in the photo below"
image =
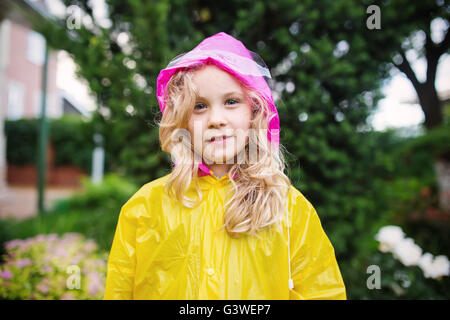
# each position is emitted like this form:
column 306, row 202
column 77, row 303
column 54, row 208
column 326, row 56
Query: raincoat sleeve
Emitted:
column 122, row 257
column 315, row 271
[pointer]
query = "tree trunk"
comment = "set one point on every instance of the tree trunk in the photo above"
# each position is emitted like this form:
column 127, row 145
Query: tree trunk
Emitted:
column 442, row 169
column 431, row 106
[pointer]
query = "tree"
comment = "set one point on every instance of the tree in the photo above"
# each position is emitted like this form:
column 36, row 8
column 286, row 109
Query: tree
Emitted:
column 411, row 32
column 396, row 38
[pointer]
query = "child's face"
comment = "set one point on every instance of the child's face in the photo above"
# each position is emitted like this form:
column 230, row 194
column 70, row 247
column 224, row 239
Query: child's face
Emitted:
column 221, row 109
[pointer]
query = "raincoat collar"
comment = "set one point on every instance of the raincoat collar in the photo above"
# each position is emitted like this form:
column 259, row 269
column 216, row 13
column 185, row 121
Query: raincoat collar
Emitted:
column 203, row 170
column 210, row 181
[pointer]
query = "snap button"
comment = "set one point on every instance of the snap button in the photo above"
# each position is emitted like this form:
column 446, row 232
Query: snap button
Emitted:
column 210, row 271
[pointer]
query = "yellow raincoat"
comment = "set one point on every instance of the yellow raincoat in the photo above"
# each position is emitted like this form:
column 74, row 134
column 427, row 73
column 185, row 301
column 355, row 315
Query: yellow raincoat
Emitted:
column 162, row 250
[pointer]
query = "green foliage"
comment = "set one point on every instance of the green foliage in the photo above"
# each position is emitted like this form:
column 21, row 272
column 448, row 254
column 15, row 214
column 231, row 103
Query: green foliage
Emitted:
column 71, row 136
column 410, row 199
column 22, row 141
column 434, row 142
column 108, row 196
column 39, row 268
column 72, row 139
column 5, row 235
column 93, row 213
column 401, row 282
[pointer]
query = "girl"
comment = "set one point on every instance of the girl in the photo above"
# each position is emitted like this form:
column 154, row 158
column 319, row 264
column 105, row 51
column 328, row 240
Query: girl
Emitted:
column 226, row 223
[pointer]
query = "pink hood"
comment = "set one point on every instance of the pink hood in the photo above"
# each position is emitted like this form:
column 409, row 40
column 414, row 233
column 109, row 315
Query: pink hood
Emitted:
column 230, row 55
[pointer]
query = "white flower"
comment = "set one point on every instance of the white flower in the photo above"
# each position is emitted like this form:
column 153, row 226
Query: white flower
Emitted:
column 388, row 237
column 434, row 268
column 392, row 239
column 425, row 263
column 407, row 252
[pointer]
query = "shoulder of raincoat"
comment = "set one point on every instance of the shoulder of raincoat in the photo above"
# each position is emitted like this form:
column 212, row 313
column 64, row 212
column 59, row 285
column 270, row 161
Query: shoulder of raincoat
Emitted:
column 163, row 250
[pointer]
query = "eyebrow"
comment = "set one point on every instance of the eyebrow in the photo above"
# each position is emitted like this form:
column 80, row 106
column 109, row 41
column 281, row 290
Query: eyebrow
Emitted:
column 225, row 95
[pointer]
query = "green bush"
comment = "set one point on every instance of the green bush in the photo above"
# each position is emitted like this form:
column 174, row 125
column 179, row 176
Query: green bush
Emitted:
column 5, row 235
column 22, row 141
column 71, row 136
column 434, row 142
column 93, row 213
column 72, row 139
column 401, row 282
column 48, row 267
column 406, row 195
column 406, row 269
column 386, row 186
column 413, row 191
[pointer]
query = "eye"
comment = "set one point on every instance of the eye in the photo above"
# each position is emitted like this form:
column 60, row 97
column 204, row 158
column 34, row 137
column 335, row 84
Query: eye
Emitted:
column 235, row 100
column 198, row 106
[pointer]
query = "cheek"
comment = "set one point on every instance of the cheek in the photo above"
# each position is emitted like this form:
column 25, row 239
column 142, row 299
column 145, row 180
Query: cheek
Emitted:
column 243, row 121
column 242, row 128
column 242, row 118
column 195, row 127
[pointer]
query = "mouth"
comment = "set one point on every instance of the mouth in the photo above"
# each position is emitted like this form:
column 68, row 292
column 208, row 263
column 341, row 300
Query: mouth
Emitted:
column 218, row 139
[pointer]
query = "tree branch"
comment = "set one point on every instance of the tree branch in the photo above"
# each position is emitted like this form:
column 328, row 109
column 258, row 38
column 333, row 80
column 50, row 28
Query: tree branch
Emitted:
column 444, row 45
column 432, row 58
column 432, row 53
column 405, row 67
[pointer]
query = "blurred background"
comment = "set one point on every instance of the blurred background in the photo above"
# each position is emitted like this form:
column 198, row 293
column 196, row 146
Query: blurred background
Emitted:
column 363, row 93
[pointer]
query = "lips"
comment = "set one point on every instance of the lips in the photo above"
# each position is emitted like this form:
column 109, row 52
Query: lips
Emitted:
column 219, row 138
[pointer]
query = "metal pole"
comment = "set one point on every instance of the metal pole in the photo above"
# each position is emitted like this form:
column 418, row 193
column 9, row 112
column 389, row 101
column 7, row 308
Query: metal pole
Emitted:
column 98, row 159
column 43, row 136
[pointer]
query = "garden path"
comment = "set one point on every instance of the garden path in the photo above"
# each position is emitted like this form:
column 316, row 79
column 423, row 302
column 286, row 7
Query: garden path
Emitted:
column 20, row 202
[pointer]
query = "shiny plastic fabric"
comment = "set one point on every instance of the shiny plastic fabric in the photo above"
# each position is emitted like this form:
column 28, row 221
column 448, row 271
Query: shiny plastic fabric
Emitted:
column 162, row 250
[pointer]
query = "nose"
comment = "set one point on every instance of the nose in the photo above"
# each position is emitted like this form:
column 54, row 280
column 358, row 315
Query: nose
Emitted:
column 216, row 118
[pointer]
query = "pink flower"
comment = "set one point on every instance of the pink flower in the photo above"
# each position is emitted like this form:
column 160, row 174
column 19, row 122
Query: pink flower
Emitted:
column 42, row 286
column 76, row 259
column 95, row 283
column 90, row 245
column 72, row 236
column 26, row 244
column 13, row 244
column 6, row 274
column 61, row 252
column 46, row 269
column 23, row 262
column 99, row 263
column 52, row 236
column 67, row 296
column 40, row 237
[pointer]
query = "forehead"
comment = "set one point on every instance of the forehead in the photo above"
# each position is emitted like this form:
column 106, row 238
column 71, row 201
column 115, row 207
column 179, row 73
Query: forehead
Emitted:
column 212, row 78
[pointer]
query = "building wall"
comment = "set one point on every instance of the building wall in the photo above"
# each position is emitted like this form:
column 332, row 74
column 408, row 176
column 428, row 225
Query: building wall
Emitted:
column 23, row 75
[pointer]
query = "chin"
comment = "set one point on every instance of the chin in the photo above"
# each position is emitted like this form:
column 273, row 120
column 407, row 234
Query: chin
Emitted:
column 220, row 158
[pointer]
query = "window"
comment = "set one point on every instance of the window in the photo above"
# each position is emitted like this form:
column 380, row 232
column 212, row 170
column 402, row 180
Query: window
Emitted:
column 36, row 48
column 15, row 103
